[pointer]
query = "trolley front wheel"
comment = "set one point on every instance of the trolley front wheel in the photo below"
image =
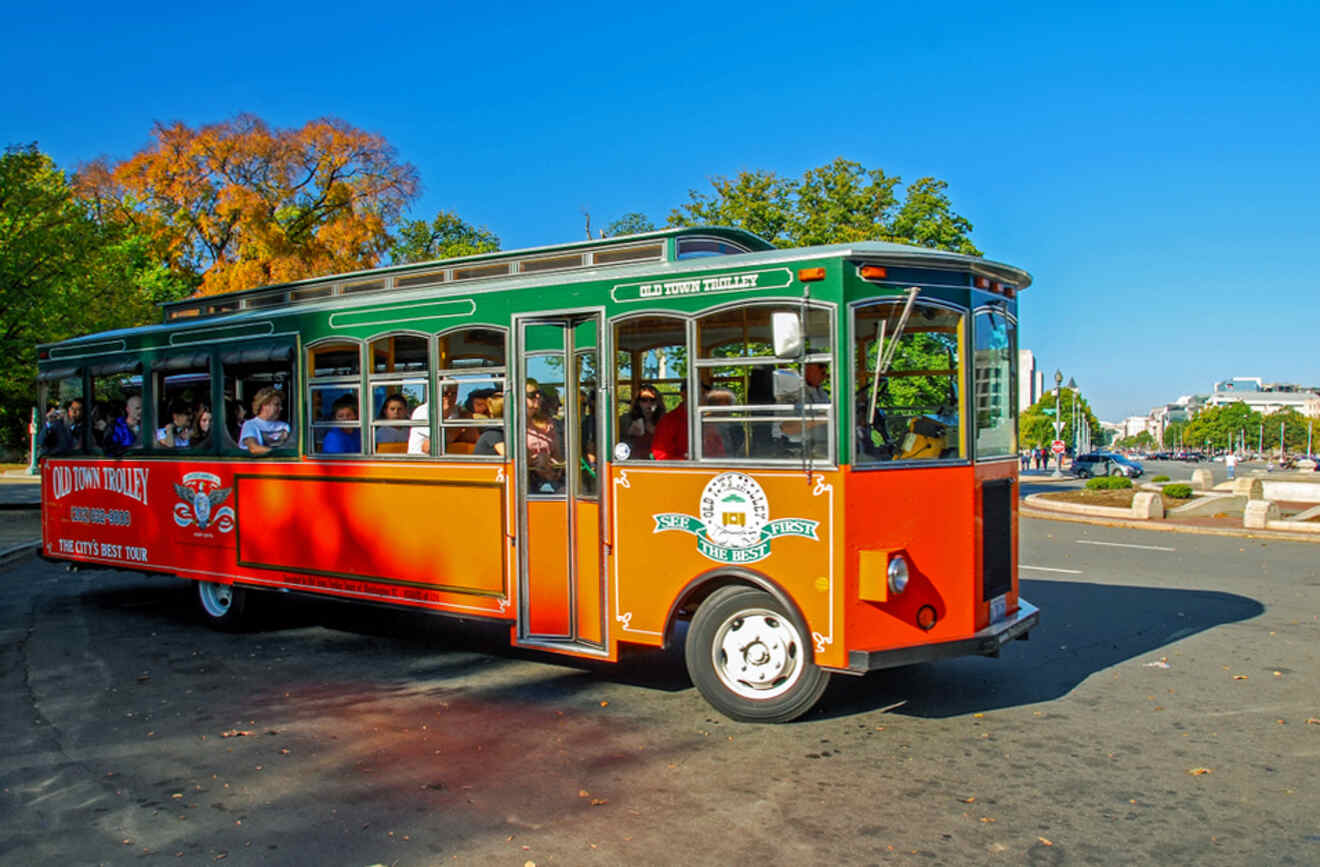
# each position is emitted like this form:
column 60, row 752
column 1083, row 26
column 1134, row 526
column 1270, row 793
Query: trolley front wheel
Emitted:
column 748, row 657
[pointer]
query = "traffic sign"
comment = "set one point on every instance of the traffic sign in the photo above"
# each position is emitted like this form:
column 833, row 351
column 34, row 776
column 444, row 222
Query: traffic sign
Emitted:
column 1058, row 447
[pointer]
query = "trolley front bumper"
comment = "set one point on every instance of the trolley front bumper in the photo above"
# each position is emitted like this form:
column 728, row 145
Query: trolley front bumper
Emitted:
column 987, row 642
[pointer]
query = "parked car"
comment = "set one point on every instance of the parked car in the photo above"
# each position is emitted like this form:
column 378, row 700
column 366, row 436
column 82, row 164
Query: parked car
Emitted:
column 1105, row 464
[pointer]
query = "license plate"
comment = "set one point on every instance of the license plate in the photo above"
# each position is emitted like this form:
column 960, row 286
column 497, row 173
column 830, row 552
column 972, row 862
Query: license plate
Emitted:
column 998, row 608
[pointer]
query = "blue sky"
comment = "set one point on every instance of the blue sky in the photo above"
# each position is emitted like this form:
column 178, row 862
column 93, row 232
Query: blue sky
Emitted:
column 1154, row 167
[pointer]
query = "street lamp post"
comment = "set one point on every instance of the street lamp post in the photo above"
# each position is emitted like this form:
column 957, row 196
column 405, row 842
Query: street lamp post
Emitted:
column 1058, row 424
column 1072, row 386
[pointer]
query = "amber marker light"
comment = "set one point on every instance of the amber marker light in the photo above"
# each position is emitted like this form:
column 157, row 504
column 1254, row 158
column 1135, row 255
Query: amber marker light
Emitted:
column 811, row 275
column 873, row 272
column 926, row 617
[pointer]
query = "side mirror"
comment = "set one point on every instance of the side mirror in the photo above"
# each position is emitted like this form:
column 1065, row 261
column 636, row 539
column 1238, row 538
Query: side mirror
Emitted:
column 787, row 330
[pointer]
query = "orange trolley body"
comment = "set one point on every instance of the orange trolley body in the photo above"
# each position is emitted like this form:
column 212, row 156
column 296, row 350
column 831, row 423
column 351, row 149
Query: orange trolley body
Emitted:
column 785, row 569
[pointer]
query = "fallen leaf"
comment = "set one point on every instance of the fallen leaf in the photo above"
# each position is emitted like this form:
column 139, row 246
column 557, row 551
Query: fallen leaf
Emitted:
column 1278, row 674
column 599, row 802
column 1239, row 677
column 1046, row 842
column 235, row 733
column 1196, row 772
column 604, row 703
column 986, row 819
column 583, row 793
column 968, row 800
column 1313, row 722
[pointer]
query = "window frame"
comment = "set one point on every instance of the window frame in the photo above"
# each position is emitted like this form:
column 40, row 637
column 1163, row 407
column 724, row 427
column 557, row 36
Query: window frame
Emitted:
column 693, row 378
column 107, row 366
column 229, row 447
column 311, row 381
column 370, row 379
column 963, row 379
column 1002, row 308
column 441, row 376
column 158, row 368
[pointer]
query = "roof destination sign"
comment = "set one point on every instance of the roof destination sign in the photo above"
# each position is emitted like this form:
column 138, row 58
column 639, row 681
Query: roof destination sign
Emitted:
column 739, row 281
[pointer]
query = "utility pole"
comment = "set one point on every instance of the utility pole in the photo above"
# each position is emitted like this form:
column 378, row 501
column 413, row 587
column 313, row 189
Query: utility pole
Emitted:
column 1058, row 424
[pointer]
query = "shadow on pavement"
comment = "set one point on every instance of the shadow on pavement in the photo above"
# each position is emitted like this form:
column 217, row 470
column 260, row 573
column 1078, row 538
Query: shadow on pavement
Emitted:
column 1085, row 628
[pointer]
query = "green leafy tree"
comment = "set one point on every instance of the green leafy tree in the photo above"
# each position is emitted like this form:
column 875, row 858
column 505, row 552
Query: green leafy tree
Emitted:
column 629, row 224
column 62, row 273
column 1143, row 440
column 760, row 202
column 841, row 201
column 1294, row 430
column 1216, row 427
column 445, row 237
column 1175, row 432
column 1036, row 424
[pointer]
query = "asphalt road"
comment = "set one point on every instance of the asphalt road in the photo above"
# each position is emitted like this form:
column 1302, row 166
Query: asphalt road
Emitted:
column 1158, row 715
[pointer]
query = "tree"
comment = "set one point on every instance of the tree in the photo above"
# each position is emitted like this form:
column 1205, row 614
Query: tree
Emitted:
column 1217, row 427
column 839, row 202
column 1036, row 425
column 631, row 223
column 445, row 237
column 62, row 273
column 760, row 202
column 237, row 204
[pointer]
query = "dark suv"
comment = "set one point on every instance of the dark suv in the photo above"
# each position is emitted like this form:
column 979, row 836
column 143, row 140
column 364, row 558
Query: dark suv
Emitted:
column 1105, row 464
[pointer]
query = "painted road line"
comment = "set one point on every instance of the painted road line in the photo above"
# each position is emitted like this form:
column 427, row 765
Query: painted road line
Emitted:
column 1050, row 569
column 1125, row 545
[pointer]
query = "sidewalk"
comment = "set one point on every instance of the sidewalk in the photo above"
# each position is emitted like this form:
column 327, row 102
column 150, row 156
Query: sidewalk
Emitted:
column 1204, row 526
column 19, row 491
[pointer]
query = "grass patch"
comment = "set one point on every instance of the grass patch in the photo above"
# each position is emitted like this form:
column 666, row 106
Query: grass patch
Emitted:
column 1108, row 483
column 1121, row 498
column 1160, row 479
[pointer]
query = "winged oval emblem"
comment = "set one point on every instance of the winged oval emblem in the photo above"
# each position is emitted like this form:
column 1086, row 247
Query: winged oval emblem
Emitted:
column 201, row 503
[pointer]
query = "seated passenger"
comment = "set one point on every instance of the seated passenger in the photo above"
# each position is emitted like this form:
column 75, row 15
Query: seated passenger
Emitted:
column 201, row 424
column 545, row 449
column 637, row 426
column 721, row 438
column 64, row 429
column 346, row 439
column 491, row 441
column 264, row 431
column 395, row 408
column 178, row 432
column 126, row 431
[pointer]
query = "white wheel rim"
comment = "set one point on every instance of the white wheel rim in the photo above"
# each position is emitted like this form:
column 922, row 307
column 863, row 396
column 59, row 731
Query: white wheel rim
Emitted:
column 758, row 654
column 216, row 598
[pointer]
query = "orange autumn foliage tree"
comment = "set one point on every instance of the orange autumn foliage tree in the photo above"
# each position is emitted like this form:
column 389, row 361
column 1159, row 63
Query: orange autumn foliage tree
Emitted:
column 237, row 204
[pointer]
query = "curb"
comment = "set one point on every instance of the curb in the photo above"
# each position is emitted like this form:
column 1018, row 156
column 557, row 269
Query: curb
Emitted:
column 16, row 552
column 1274, row 535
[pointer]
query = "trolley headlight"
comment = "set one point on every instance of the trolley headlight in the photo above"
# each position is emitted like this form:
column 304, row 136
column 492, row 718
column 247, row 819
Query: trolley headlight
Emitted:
column 898, row 574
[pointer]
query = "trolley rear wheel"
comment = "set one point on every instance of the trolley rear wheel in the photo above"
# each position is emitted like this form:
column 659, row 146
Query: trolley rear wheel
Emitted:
column 748, row 657
column 223, row 605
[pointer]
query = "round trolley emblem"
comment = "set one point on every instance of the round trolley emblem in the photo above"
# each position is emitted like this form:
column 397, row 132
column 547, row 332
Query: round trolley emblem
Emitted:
column 201, row 503
column 733, row 522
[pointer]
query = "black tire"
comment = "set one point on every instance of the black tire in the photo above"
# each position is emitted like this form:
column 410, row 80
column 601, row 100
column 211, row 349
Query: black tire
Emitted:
column 223, row 606
column 1117, row 471
column 779, row 684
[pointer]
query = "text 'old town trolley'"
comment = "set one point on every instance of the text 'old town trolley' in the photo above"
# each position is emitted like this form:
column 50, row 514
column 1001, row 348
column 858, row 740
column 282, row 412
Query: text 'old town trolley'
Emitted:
column 809, row 456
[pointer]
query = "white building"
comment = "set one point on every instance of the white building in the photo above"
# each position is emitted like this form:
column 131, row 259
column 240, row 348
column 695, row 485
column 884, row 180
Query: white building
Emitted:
column 1029, row 380
column 1263, row 398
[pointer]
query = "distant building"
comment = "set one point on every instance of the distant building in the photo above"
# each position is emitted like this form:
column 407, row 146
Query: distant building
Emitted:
column 1028, row 380
column 1265, row 398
